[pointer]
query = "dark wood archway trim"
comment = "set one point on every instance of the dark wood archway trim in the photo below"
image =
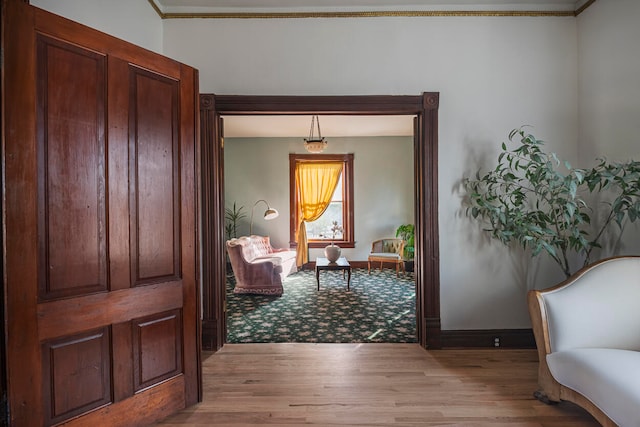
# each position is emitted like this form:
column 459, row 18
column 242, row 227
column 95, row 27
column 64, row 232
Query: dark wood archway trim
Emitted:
column 212, row 222
column 424, row 107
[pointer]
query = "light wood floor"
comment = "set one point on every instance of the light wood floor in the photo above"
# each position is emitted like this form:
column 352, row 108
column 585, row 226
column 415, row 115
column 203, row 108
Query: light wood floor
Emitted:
column 372, row 385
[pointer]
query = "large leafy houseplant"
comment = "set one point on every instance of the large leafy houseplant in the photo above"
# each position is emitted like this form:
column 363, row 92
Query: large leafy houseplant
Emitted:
column 541, row 203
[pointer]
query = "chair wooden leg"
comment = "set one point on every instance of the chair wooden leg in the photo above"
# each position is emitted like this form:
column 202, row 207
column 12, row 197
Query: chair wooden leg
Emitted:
column 369, row 266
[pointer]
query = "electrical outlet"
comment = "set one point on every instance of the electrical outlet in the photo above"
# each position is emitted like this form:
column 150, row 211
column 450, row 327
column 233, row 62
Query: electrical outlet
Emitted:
column 496, row 342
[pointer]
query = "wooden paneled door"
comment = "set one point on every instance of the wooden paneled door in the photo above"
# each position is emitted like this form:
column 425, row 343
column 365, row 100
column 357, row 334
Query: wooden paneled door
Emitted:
column 101, row 260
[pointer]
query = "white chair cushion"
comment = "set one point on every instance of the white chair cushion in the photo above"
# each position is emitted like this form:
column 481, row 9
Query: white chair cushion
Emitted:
column 609, row 378
column 388, row 255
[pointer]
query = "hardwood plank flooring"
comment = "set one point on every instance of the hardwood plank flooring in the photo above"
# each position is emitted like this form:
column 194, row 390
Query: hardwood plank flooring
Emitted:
column 372, row 385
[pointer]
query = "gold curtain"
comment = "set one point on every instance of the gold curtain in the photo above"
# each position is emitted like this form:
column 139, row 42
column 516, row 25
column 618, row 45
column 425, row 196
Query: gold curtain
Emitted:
column 315, row 184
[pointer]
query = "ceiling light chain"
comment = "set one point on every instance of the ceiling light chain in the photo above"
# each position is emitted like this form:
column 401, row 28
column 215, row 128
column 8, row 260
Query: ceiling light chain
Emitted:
column 318, row 144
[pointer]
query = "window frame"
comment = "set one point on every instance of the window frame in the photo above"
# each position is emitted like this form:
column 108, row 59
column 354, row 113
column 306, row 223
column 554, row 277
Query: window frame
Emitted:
column 347, row 240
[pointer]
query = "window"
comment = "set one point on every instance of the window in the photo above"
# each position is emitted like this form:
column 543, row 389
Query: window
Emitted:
column 320, row 229
column 340, row 209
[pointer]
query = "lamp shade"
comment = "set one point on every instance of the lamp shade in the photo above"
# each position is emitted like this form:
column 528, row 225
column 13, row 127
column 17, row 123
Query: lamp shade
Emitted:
column 270, row 214
column 316, row 146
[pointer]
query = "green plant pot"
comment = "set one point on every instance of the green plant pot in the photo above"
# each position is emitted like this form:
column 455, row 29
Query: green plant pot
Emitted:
column 408, row 265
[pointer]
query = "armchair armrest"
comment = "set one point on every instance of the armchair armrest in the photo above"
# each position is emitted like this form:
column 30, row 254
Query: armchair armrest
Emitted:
column 276, row 250
column 264, row 266
column 549, row 387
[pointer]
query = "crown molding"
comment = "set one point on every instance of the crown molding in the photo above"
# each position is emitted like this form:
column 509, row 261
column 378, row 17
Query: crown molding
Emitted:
column 583, row 5
column 580, row 6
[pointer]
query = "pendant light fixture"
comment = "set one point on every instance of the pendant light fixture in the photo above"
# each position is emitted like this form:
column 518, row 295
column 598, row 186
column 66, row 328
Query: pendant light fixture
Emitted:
column 313, row 144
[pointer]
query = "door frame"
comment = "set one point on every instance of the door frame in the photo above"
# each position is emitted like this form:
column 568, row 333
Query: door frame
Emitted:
column 427, row 259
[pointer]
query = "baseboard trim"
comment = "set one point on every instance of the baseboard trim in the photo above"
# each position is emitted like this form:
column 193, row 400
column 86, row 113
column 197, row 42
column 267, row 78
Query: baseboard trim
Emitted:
column 358, row 264
column 506, row 338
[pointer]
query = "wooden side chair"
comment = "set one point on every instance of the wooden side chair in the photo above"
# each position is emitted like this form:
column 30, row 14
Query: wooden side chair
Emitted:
column 387, row 251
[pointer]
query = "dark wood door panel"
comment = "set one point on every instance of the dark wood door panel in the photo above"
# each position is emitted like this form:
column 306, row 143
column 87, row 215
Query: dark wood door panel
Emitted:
column 76, row 374
column 118, row 177
column 93, row 311
column 154, row 177
column 71, row 122
column 157, row 348
column 141, row 409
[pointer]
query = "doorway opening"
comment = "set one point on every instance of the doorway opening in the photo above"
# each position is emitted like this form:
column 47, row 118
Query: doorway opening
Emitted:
column 374, row 194
column 426, row 267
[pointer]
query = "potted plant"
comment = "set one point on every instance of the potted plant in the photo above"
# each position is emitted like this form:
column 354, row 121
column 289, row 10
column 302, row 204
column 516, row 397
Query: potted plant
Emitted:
column 232, row 218
column 407, row 233
column 533, row 199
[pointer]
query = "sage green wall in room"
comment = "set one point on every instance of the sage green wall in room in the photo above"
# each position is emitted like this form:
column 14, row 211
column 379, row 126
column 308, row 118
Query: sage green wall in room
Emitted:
column 258, row 168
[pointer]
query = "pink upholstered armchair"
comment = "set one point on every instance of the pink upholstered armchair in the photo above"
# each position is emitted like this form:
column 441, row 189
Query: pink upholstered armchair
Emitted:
column 258, row 267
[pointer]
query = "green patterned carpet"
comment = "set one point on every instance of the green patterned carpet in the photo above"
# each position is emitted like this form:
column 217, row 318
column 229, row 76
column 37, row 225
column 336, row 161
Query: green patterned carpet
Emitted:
column 378, row 308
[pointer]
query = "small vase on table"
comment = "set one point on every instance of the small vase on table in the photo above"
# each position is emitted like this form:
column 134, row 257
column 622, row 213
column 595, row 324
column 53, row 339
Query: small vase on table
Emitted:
column 332, row 252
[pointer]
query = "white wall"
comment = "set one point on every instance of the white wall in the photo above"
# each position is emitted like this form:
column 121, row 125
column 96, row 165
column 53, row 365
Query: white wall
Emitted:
column 493, row 74
column 609, row 80
column 258, row 168
column 132, row 20
column 609, row 92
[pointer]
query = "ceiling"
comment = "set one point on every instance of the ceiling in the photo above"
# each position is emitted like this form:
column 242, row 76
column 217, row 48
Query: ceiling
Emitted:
column 307, row 6
column 330, row 126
